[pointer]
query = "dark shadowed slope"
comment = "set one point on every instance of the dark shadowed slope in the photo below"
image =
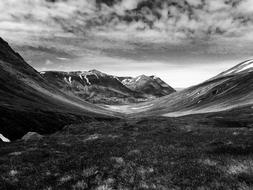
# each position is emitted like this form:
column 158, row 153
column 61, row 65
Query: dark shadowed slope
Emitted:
column 226, row 91
column 29, row 103
column 93, row 86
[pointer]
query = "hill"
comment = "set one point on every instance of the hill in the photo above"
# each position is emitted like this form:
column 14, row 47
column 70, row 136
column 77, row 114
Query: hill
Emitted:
column 29, row 103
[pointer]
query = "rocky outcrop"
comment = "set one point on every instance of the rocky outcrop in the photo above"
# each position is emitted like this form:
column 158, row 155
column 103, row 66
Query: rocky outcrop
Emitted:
column 32, row 136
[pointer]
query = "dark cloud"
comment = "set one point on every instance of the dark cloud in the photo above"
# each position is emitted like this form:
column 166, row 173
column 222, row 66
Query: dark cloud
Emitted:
column 170, row 20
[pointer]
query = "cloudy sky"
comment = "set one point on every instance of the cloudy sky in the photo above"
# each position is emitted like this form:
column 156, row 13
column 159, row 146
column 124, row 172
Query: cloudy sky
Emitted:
column 182, row 41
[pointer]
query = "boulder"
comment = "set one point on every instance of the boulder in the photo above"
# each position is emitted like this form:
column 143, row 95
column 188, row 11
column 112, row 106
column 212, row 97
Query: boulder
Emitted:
column 32, row 136
column 4, row 139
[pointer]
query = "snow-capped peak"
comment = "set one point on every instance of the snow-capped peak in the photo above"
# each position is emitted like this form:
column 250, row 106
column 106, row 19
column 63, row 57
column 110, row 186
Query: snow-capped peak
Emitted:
column 126, row 81
column 154, row 77
column 116, row 78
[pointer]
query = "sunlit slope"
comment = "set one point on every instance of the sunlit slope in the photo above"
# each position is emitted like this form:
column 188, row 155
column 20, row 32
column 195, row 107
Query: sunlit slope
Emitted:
column 226, row 91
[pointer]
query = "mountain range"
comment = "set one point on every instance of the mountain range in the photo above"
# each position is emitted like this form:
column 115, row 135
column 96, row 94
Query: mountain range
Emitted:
column 47, row 101
column 100, row 88
column 228, row 90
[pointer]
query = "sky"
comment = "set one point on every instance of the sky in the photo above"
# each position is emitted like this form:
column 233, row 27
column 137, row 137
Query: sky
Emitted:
column 184, row 42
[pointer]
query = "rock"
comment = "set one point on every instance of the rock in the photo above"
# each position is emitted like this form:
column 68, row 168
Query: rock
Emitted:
column 32, row 136
column 118, row 160
column 15, row 153
column 4, row 139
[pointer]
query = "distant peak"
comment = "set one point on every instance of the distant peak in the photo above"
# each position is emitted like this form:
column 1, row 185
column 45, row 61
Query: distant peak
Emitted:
column 143, row 77
column 94, row 71
column 154, row 77
column 97, row 72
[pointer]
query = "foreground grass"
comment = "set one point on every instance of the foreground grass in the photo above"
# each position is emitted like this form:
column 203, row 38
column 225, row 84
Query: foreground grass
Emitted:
column 138, row 154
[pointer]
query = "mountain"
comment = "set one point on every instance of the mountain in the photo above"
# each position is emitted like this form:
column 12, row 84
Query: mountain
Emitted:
column 29, row 103
column 93, row 86
column 97, row 87
column 231, row 89
column 244, row 67
column 150, row 86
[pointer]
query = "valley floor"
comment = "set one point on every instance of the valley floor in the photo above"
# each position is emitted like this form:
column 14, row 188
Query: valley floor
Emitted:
column 193, row 152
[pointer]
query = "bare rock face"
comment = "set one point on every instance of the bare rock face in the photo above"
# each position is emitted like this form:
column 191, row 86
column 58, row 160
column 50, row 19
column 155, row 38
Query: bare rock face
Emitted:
column 32, row 136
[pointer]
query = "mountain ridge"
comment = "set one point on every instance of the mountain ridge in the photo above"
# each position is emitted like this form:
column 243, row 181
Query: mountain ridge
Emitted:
column 29, row 102
column 220, row 93
column 98, row 87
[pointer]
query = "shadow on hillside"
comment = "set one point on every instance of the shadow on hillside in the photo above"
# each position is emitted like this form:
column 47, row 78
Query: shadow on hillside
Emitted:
column 236, row 150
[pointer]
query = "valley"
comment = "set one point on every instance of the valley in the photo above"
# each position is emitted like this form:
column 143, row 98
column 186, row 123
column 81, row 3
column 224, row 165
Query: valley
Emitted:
column 91, row 130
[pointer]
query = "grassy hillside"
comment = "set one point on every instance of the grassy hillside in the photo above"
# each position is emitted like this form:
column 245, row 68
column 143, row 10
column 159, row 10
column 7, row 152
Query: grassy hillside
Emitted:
column 193, row 152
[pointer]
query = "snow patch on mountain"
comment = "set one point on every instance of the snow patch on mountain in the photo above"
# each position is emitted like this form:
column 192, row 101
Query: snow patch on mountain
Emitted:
column 4, row 139
column 87, row 80
column 65, row 79
column 142, row 107
column 126, row 81
column 138, row 78
column 239, row 68
column 95, row 75
column 155, row 77
column 247, row 65
column 116, row 78
column 70, row 80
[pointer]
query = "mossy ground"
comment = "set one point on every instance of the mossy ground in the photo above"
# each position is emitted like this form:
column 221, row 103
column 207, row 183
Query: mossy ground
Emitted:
column 154, row 153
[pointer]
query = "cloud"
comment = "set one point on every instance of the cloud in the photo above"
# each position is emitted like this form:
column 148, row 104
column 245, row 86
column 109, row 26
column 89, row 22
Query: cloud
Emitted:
column 48, row 62
column 246, row 6
column 145, row 20
column 216, row 5
column 194, row 2
column 169, row 38
column 122, row 6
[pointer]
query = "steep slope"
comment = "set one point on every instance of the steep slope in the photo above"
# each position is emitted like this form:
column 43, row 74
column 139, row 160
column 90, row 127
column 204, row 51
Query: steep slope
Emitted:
column 29, row 103
column 93, row 86
column 228, row 90
column 151, row 87
column 244, row 67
